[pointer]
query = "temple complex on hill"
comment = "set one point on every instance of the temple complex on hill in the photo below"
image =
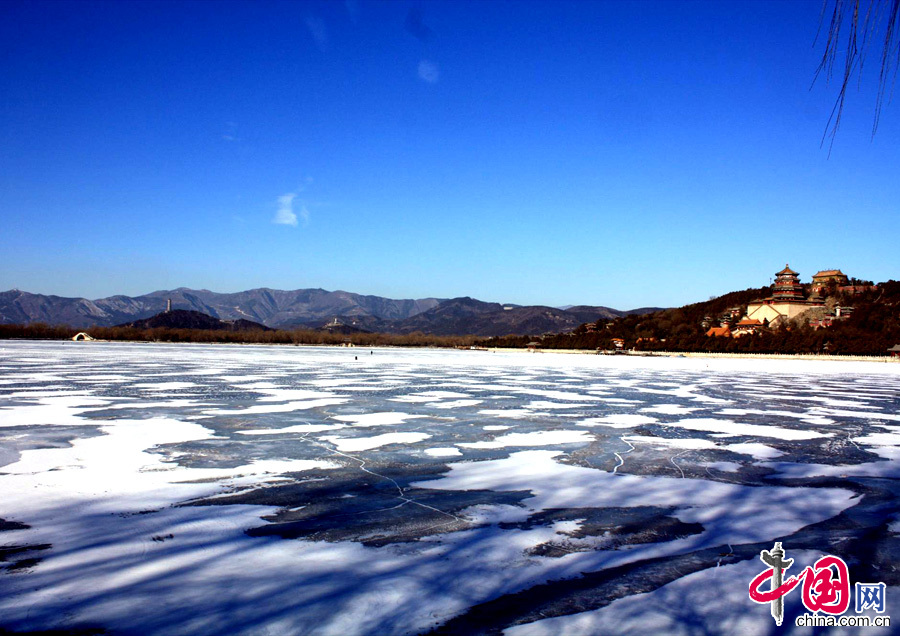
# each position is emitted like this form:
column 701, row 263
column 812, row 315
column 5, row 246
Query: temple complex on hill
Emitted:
column 786, row 302
column 826, row 278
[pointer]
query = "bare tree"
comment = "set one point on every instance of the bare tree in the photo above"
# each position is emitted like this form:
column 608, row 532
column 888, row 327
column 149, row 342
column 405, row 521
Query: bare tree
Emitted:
column 854, row 28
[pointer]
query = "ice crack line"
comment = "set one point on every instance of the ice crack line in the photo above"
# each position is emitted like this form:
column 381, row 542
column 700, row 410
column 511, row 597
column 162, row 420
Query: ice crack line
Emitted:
column 672, row 459
column 400, row 495
column 619, row 457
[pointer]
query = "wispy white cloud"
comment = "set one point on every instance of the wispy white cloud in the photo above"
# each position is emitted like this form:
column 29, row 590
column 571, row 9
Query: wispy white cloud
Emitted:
column 316, row 28
column 285, row 214
column 428, row 72
column 230, row 133
column 289, row 213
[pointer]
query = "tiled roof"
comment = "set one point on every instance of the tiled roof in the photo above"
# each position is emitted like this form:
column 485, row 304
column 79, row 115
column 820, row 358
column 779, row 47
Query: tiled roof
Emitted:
column 786, row 270
column 829, row 272
column 750, row 322
column 719, row 331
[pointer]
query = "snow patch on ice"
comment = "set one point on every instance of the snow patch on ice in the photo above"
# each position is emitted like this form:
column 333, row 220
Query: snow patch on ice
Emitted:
column 754, row 449
column 354, row 444
column 299, row 428
column 387, row 418
column 619, row 420
column 535, row 438
column 728, row 512
column 673, row 442
column 284, row 395
column 510, row 413
column 887, row 469
column 52, row 411
column 443, row 452
column 288, row 407
column 454, row 404
column 671, row 409
column 730, row 427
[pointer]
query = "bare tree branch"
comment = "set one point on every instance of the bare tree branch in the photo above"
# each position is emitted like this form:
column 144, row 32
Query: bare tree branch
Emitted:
column 853, row 26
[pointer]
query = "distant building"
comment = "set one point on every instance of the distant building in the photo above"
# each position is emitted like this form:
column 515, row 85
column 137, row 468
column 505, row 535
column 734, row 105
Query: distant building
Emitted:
column 822, row 280
column 719, row 332
column 895, row 351
column 837, row 314
column 746, row 327
column 821, row 323
column 618, row 343
column 774, row 313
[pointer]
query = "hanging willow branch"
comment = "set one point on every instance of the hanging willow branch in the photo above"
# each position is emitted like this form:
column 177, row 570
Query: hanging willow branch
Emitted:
column 853, row 27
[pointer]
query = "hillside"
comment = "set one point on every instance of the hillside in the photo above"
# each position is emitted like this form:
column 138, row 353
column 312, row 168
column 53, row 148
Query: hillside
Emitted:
column 469, row 316
column 871, row 329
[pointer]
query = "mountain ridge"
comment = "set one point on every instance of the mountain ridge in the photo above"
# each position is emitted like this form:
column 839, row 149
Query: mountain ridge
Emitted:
column 306, row 308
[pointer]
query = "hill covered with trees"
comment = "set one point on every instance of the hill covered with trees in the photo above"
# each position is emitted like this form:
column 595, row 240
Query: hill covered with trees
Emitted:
column 871, row 328
column 189, row 319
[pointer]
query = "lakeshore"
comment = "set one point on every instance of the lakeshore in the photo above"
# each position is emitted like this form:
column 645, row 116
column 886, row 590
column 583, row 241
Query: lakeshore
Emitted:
column 415, row 341
column 711, row 354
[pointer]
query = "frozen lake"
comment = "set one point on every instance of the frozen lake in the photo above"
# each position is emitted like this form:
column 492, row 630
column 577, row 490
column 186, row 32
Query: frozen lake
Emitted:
column 188, row 489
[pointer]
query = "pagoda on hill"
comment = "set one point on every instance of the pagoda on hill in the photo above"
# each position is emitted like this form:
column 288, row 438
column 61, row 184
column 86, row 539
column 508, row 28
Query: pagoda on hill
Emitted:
column 787, row 286
column 786, row 303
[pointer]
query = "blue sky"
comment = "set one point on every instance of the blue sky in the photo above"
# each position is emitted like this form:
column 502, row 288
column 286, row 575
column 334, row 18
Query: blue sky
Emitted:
column 621, row 154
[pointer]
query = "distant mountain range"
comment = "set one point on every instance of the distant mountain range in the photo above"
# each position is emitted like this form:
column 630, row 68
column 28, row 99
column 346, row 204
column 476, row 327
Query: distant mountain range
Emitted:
column 309, row 308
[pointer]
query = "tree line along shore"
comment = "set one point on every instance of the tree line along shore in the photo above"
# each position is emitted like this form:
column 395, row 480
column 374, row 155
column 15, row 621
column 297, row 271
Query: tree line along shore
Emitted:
column 40, row 331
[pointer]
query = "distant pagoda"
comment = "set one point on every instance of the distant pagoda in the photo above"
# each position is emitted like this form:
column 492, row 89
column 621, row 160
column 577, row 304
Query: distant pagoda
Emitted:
column 787, row 285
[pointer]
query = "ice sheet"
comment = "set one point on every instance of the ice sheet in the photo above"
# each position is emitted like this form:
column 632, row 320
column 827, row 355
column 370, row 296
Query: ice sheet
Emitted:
column 148, row 481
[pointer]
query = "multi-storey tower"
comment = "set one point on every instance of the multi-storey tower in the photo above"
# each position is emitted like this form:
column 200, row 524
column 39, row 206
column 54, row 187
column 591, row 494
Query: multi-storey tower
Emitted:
column 787, row 285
